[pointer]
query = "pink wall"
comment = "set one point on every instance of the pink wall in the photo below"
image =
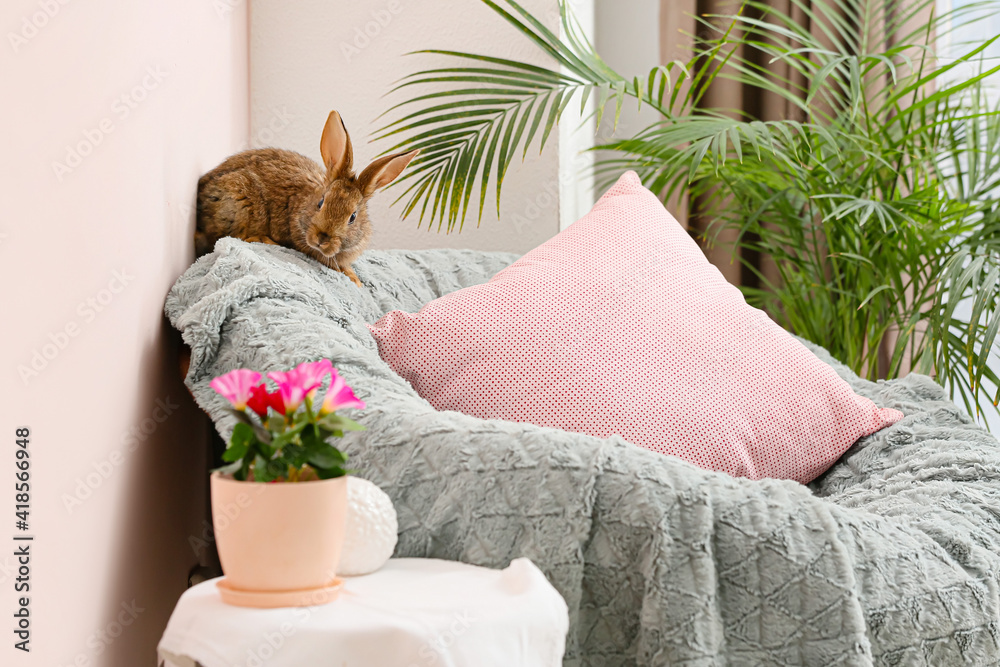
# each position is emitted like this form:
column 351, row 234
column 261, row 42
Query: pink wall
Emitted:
column 111, row 110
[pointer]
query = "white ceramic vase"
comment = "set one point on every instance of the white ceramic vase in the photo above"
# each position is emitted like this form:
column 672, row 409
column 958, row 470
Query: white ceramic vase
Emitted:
column 371, row 529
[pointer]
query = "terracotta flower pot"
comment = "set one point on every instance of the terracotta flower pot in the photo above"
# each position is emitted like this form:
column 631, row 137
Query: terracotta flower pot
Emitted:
column 279, row 537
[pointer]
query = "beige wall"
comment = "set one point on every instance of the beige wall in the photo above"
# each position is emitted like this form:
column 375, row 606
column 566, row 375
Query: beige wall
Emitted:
column 311, row 56
column 149, row 95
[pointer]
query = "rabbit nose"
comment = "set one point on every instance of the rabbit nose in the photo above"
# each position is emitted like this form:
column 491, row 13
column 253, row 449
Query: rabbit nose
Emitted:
column 323, row 238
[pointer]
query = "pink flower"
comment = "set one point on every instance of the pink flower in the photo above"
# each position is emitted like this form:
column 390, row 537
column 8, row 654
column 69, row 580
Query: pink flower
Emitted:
column 312, row 373
column 236, row 386
column 301, row 381
column 339, row 396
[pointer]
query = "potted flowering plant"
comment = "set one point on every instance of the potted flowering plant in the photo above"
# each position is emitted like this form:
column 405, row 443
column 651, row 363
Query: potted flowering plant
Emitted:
column 275, row 440
column 280, row 504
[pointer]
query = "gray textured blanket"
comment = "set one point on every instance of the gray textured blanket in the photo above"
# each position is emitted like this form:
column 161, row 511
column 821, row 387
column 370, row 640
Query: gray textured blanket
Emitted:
column 893, row 557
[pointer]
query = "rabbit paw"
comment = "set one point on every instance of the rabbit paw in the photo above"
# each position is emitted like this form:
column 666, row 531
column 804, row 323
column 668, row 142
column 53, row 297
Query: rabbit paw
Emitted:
column 261, row 239
column 349, row 272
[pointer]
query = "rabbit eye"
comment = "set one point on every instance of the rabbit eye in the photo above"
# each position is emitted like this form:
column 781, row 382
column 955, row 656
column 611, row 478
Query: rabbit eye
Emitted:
column 321, row 200
column 353, row 216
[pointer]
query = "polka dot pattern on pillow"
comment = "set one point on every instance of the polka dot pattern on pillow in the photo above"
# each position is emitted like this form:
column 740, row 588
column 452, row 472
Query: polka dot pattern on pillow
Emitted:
column 620, row 326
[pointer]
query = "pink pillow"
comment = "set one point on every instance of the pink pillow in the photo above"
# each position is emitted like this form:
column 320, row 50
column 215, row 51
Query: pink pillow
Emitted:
column 619, row 325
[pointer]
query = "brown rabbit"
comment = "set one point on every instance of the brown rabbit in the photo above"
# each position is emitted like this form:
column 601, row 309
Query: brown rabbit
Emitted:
column 276, row 196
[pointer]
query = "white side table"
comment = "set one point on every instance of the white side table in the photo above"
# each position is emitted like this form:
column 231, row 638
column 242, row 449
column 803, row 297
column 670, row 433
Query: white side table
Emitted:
column 412, row 613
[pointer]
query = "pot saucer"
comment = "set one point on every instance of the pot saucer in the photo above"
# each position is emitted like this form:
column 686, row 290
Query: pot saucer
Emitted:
column 306, row 597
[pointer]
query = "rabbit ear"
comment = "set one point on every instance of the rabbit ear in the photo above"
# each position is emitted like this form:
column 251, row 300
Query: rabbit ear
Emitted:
column 384, row 171
column 335, row 146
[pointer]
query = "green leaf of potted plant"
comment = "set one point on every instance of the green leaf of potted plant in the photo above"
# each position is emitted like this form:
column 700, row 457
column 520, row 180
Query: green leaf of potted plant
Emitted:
column 280, row 505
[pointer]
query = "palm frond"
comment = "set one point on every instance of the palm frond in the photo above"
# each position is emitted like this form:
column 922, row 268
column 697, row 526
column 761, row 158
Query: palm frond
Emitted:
column 483, row 111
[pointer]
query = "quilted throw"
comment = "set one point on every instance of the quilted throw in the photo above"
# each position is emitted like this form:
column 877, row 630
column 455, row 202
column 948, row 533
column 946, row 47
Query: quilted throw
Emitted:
column 892, row 557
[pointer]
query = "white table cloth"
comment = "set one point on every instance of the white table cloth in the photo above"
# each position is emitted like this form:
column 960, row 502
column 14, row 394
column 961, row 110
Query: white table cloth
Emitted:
column 411, row 613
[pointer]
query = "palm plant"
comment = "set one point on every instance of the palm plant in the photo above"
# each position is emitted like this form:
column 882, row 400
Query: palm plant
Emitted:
column 875, row 203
